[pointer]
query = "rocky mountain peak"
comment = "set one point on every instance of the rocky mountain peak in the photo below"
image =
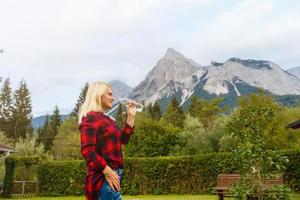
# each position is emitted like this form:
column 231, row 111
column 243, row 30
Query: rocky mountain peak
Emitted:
column 120, row 89
column 254, row 64
column 172, row 54
column 295, row 71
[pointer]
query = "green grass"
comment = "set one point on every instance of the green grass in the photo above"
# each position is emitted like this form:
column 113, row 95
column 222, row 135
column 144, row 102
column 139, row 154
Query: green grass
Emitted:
column 147, row 197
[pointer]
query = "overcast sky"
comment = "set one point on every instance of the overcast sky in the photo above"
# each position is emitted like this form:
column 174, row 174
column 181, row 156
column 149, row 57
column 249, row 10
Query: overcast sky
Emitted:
column 58, row 45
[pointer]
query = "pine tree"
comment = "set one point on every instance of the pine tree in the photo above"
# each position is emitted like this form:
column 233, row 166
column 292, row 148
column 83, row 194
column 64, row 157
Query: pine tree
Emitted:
column 174, row 114
column 80, row 100
column 50, row 129
column 206, row 110
column 55, row 120
column 5, row 106
column 156, row 112
column 150, row 111
column 120, row 118
column 21, row 113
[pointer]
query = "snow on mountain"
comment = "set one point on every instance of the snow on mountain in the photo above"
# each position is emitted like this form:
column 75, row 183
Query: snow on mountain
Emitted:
column 295, row 71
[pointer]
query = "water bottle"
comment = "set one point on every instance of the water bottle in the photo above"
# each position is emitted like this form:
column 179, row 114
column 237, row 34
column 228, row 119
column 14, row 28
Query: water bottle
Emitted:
column 138, row 106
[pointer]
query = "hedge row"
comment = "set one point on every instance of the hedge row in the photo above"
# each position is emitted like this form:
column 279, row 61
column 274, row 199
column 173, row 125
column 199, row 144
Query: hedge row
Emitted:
column 158, row 175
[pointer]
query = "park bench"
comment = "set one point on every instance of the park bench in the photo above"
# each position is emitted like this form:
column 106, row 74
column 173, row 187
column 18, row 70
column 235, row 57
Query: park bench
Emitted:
column 225, row 181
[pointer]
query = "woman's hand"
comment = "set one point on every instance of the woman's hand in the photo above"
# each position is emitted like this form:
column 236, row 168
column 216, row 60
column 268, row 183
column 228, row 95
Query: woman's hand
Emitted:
column 130, row 114
column 112, row 178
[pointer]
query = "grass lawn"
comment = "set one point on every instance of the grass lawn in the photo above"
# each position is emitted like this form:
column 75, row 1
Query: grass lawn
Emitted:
column 147, row 197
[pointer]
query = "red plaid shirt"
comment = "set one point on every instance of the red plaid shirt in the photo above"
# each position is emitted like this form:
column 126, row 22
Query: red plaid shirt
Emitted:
column 101, row 141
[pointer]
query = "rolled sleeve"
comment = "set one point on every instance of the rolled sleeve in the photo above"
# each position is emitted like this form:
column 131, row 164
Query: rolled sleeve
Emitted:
column 126, row 133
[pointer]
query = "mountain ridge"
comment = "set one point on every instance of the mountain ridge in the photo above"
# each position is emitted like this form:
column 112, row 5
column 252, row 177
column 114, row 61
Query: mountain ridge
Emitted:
column 176, row 75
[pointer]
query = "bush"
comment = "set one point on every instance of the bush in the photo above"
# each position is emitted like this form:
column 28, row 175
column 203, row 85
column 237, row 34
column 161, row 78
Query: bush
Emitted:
column 157, row 175
column 61, row 178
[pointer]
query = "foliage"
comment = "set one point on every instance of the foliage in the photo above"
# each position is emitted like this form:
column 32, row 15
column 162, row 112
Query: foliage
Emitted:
column 151, row 137
column 28, row 146
column 49, row 130
column 8, row 179
column 154, row 111
column 79, row 102
column 21, row 112
column 193, row 138
column 61, row 178
column 67, row 141
column 5, row 140
column 292, row 169
column 154, row 175
column 5, row 107
column 281, row 137
column 253, row 124
column 120, row 116
column 174, row 114
column 206, row 110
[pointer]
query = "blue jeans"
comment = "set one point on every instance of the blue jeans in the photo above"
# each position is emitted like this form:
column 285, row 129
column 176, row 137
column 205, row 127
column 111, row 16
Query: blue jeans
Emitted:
column 107, row 193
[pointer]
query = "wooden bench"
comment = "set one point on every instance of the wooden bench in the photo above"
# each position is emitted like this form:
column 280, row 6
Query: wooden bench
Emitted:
column 225, row 181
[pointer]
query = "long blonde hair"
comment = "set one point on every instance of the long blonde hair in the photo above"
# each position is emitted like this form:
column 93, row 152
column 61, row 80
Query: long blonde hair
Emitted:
column 93, row 99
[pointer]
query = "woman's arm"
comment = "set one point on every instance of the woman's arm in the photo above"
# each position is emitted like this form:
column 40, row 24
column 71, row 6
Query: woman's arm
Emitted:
column 128, row 129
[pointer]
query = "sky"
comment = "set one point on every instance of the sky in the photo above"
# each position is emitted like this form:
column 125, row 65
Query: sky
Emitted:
column 57, row 46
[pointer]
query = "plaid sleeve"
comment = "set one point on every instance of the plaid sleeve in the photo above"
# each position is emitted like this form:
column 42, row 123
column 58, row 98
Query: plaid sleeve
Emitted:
column 126, row 133
column 89, row 128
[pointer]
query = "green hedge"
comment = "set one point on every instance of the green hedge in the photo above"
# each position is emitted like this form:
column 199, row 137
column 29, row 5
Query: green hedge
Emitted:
column 8, row 179
column 157, row 175
column 61, row 178
column 10, row 164
column 292, row 171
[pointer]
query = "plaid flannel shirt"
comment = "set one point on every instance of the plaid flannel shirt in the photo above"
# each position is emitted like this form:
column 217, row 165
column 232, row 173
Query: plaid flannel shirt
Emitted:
column 101, row 141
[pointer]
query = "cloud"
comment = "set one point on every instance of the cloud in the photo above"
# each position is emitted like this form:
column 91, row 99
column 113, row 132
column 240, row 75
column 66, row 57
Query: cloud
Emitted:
column 58, row 45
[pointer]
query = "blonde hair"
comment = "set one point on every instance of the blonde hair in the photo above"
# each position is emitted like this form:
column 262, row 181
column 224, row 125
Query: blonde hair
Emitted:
column 93, row 99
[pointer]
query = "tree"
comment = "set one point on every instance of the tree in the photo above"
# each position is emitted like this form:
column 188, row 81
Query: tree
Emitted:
column 174, row 114
column 152, row 137
column 150, row 110
column 193, row 138
column 79, row 102
column 156, row 111
column 5, row 107
column 252, row 124
column 50, row 129
column 206, row 110
column 66, row 144
column 21, row 112
column 120, row 116
column 27, row 147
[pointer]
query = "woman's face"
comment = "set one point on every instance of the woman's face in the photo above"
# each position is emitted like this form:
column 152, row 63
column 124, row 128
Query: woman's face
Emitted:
column 107, row 99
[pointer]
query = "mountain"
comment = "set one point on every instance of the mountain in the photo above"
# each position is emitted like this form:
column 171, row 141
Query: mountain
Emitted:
column 295, row 71
column 120, row 89
column 176, row 75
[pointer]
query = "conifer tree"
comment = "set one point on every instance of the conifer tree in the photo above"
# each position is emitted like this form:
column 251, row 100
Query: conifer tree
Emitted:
column 156, row 112
column 21, row 113
column 150, row 111
column 50, row 129
column 55, row 120
column 80, row 100
column 42, row 131
column 174, row 114
column 205, row 110
column 120, row 118
column 5, row 106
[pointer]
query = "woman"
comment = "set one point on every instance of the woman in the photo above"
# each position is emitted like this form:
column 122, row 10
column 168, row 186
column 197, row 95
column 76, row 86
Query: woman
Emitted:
column 101, row 141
